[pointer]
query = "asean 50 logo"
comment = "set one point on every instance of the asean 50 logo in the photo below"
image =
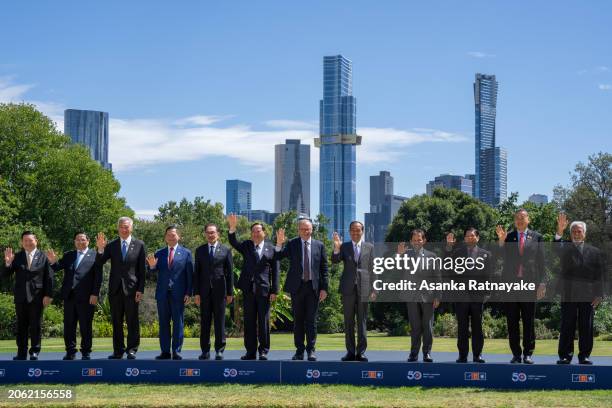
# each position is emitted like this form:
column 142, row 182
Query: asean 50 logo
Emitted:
column 519, row 377
column 132, row 372
column 414, row 375
column 310, row 373
column 230, row 373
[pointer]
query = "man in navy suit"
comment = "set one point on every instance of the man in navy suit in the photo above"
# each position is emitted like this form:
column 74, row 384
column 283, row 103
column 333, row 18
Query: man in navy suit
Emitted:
column 126, row 285
column 259, row 281
column 80, row 291
column 32, row 292
column 523, row 255
column 306, row 282
column 213, row 283
column 174, row 268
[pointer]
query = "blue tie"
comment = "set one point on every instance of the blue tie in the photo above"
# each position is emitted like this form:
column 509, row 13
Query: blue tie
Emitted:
column 211, row 253
column 78, row 260
column 124, row 249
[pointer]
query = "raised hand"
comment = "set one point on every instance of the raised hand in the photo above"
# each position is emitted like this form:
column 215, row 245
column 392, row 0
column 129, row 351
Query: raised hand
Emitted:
column 100, row 241
column 232, row 222
column 401, row 248
column 561, row 223
column 51, row 256
column 450, row 238
column 9, row 256
column 152, row 261
column 501, row 233
column 280, row 237
column 337, row 242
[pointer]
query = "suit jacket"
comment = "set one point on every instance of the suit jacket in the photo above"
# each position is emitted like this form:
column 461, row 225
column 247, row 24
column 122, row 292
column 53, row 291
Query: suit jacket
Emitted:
column 430, row 274
column 581, row 278
column 30, row 283
column 180, row 273
column 483, row 275
column 360, row 272
column 129, row 275
column 532, row 259
column 318, row 267
column 264, row 272
column 85, row 280
column 216, row 274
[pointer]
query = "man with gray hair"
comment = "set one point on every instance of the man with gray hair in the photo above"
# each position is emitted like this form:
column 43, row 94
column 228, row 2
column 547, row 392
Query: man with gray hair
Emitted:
column 126, row 284
column 581, row 288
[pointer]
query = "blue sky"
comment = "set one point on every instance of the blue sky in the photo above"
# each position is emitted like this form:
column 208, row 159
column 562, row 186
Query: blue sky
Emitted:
column 199, row 92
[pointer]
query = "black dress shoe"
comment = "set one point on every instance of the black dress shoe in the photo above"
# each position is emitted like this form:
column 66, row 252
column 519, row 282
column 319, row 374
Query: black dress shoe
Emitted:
column 298, row 356
column 248, row 357
column 219, row 355
column 516, row 360
column 585, row 361
column 461, row 360
column 527, row 360
column 478, row 359
column 348, row 357
column 564, row 360
column 204, row 356
column 131, row 355
column 34, row 356
column 69, row 356
column 20, row 357
column 115, row 356
column 164, row 356
column 85, row 356
column 412, row 357
column 427, row 358
column 176, row 356
column 263, row 356
column 362, row 358
column 312, row 356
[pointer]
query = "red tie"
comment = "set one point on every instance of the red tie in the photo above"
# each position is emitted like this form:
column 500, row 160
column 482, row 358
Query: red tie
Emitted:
column 521, row 250
column 171, row 257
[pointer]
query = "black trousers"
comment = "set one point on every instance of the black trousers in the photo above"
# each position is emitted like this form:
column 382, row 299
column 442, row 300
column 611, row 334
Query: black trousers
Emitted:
column 81, row 313
column 212, row 306
column 515, row 312
column 29, row 321
column 256, row 323
column 124, row 307
column 421, row 317
column 305, row 306
column 584, row 313
column 464, row 311
column 353, row 308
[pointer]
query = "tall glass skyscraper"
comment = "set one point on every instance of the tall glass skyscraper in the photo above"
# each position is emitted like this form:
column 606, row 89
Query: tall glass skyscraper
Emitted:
column 89, row 128
column 237, row 196
column 292, row 177
column 490, row 161
column 338, row 140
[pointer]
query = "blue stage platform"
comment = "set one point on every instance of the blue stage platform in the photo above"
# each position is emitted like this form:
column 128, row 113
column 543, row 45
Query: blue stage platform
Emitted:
column 384, row 369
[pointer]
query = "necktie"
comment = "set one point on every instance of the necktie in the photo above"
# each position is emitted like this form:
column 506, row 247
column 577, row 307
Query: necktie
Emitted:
column 171, row 257
column 521, row 250
column 30, row 259
column 257, row 252
column 79, row 259
column 124, row 249
column 211, row 252
column 357, row 253
column 306, row 262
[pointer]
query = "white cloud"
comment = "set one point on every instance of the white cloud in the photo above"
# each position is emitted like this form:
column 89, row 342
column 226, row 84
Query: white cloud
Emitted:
column 605, row 87
column 148, row 142
column 145, row 214
column 291, row 124
column 480, row 54
column 600, row 69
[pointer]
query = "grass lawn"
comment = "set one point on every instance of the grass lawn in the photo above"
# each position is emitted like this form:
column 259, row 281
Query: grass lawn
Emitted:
column 314, row 395
column 284, row 341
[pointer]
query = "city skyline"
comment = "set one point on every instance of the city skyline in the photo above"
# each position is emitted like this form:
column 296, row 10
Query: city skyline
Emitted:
column 239, row 95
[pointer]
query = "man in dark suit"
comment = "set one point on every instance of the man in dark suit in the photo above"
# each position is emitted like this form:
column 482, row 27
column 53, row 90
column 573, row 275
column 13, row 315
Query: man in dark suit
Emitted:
column 32, row 292
column 356, row 288
column 126, row 284
column 581, row 287
column 306, row 282
column 471, row 303
column 259, row 282
column 80, row 291
column 174, row 268
column 423, row 302
column 213, row 283
column 523, row 256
